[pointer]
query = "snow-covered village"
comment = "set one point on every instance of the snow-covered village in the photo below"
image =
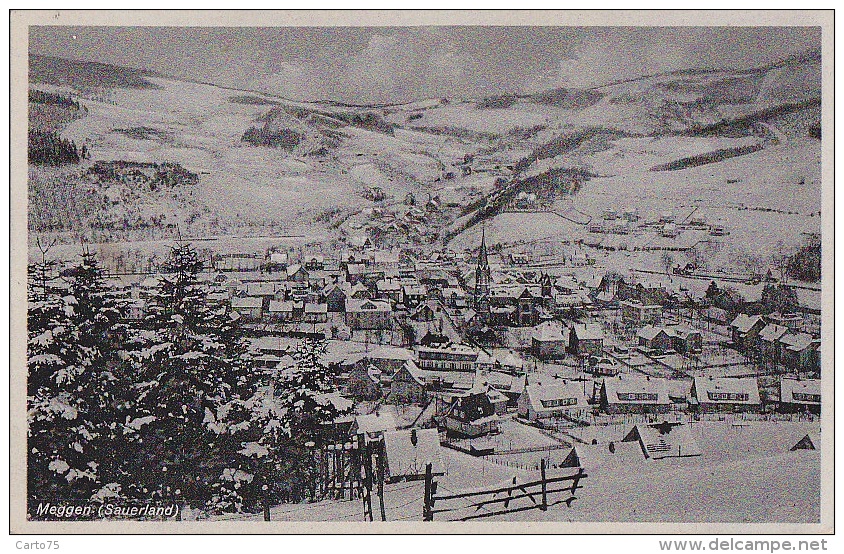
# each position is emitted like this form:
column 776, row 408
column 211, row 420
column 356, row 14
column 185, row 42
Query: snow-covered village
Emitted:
column 591, row 302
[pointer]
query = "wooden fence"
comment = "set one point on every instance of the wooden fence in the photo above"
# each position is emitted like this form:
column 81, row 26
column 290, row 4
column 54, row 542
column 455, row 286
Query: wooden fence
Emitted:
column 512, row 498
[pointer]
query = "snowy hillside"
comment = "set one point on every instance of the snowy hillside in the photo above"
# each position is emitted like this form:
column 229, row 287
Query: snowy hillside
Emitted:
column 733, row 139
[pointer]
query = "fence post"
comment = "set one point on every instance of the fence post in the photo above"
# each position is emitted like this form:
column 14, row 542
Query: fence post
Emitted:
column 380, row 470
column 323, row 468
column 576, row 479
column 544, row 486
column 426, row 508
column 367, row 482
column 265, row 500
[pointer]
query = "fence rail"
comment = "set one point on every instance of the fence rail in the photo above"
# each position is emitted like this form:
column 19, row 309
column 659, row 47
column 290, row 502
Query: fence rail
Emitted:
column 536, row 491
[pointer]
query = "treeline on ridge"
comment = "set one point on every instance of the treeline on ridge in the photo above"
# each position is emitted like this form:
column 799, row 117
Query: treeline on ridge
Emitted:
column 53, row 99
column 48, row 148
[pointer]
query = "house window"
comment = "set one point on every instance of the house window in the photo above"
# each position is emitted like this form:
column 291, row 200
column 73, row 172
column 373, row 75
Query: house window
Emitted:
column 558, row 402
column 728, row 396
column 637, row 396
column 806, row 397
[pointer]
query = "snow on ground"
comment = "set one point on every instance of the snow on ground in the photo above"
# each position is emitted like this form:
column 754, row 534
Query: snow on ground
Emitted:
column 512, row 435
column 493, row 121
column 516, row 228
column 782, row 488
column 222, row 244
column 403, row 500
column 638, row 155
column 776, row 188
column 197, row 125
column 745, row 474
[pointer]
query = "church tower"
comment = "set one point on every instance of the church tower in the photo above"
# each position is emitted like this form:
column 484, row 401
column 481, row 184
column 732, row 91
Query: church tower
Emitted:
column 482, row 281
column 547, row 285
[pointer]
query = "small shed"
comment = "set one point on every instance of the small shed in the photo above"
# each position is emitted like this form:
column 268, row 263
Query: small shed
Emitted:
column 409, row 451
column 810, row 441
column 374, row 425
column 664, row 440
column 609, row 456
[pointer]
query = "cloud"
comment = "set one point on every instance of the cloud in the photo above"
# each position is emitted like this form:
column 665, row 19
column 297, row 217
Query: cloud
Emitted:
column 404, row 65
column 608, row 54
column 380, row 64
column 392, row 66
column 611, row 54
column 294, row 80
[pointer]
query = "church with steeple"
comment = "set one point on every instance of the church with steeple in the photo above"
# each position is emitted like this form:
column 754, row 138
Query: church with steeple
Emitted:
column 483, row 278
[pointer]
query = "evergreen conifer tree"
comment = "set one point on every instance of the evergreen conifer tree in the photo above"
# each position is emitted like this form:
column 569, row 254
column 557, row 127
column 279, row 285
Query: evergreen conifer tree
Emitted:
column 293, row 419
column 191, row 373
column 72, row 383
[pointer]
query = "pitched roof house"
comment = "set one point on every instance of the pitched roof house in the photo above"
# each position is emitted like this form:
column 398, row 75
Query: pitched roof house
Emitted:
column 655, row 338
column 720, row 394
column 549, row 341
column 802, row 395
column 471, row 415
column 408, row 385
column 632, row 394
column 745, row 328
column 553, row 400
column 586, row 339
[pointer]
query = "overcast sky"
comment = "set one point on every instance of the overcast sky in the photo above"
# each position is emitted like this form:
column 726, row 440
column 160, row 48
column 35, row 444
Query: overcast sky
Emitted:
column 384, row 64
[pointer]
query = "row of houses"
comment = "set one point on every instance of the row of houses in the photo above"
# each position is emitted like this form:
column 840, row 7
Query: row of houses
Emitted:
column 553, row 340
column 472, row 390
column 539, row 398
column 777, row 340
column 475, row 412
column 633, row 394
column 625, row 394
column 679, row 338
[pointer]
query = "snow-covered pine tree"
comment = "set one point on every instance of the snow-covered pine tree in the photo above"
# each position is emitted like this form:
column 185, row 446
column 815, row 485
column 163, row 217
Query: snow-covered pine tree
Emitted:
column 293, row 420
column 72, row 327
column 51, row 409
column 103, row 387
column 190, row 373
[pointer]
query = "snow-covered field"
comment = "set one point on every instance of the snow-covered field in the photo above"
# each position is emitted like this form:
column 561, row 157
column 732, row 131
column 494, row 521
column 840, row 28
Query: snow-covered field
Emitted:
column 199, row 127
column 745, row 475
column 777, row 188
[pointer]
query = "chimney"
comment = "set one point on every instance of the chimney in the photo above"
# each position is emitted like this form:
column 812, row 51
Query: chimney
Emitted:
column 413, row 438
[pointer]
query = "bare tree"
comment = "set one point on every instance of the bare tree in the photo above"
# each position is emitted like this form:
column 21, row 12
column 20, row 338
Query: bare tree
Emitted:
column 667, row 260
